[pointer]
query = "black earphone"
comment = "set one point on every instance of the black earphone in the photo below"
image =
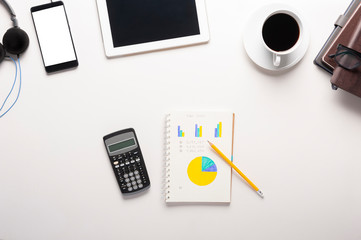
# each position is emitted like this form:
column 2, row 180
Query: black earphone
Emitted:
column 15, row 40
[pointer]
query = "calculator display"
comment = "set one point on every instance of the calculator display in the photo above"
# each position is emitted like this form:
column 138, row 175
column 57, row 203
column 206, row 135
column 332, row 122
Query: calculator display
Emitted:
column 121, row 145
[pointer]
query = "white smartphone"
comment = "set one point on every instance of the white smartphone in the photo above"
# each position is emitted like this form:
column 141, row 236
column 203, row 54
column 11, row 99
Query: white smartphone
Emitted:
column 54, row 36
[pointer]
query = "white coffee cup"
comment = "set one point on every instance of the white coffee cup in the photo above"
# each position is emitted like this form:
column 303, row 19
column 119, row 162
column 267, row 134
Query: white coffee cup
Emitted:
column 282, row 34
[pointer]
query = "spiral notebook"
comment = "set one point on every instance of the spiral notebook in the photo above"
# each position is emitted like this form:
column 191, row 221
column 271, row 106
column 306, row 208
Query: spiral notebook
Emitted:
column 194, row 171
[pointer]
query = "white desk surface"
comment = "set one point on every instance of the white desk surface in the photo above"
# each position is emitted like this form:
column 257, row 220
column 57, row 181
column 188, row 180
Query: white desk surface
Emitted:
column 297, row 139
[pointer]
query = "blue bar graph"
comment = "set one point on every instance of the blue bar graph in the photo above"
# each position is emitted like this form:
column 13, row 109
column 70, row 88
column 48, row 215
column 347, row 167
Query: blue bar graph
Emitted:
column 180, row 132
column 218, row 130
column 198, row 131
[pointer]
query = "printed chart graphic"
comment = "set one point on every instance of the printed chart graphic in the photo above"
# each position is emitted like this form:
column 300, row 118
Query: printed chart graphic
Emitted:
column 198, row 131
column 202, row 171
column 218, row 130
column 180, row 132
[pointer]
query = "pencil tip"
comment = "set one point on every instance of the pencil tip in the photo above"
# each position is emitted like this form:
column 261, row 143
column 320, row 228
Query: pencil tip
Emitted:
column 260, row 193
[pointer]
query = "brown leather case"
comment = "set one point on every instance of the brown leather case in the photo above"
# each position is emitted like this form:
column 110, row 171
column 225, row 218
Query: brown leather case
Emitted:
column 343, row 38
column 339, row 24
column 347, row 80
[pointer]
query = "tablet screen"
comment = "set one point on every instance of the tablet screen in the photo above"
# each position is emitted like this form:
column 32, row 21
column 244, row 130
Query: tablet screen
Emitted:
column 142, row 21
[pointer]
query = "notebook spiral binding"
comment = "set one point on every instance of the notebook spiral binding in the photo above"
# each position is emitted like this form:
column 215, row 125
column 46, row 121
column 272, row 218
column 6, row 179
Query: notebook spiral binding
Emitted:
column 167, row 158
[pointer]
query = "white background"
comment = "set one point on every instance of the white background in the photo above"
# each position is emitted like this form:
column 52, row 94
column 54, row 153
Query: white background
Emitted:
column 297, row 139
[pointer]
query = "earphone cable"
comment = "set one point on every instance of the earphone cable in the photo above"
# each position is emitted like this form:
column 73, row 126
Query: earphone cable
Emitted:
column 16, row 72
column 17, row 97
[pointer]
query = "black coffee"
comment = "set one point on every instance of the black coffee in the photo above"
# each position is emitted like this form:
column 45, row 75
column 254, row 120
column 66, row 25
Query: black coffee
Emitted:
column 280, row 32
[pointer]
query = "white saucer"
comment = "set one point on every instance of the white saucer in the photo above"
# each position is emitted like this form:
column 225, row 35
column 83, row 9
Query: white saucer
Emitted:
column 254, row 45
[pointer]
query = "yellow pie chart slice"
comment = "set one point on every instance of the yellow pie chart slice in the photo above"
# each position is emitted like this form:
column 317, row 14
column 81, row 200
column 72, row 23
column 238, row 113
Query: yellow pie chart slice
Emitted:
column 202, row 171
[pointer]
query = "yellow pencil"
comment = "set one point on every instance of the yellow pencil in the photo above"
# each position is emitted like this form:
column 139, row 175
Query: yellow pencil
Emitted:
column 237, row 170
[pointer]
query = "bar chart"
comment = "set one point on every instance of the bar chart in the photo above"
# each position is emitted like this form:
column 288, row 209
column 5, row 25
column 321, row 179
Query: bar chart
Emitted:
column 218, row 130
column 198, row 131
column 180, row 132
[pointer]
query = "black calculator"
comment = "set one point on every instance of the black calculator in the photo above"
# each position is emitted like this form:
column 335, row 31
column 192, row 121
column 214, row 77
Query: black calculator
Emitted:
column 127, row 161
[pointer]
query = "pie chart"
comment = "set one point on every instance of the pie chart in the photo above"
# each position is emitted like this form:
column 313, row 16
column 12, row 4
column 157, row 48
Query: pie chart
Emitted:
column 202, row 171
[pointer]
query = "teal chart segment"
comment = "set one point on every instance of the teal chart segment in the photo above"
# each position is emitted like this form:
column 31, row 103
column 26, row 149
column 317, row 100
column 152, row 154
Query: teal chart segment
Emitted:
column 208, row 165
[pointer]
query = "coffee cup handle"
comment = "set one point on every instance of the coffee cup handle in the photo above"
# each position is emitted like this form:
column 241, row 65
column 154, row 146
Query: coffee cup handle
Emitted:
column 276, row 60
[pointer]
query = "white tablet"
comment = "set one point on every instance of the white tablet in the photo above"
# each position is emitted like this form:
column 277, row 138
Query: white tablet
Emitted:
column 134, row 26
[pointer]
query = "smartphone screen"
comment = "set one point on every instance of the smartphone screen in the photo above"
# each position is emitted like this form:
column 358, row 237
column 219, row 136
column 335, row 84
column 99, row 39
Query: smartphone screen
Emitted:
column 54, row 36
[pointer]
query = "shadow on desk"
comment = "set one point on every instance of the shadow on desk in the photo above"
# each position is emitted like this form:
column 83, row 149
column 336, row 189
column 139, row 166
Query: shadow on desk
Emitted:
column 136, row 195
column 197, row 204
column 349, row 101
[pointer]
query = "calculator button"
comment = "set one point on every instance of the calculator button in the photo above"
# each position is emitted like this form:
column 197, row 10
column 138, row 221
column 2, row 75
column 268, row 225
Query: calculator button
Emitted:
column 127, row 163
column 137, row 159
column 135, row 187
column 130, row 189
column 139, row 181
column 125, row 175
column 132, row 161
column 132, row 178
column 122, row 164
column 137, row 176
column 116, row 166
column 136, row 172
column 140, row 185
column 129, row 184
column 127, row 180
column 134, row 183
column 131, row 174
